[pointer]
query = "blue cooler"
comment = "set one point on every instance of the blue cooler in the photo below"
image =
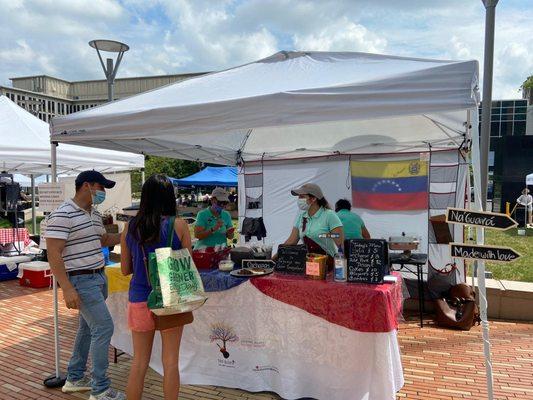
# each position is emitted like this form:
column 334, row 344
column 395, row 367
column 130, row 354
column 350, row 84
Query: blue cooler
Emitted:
column 9, row 266
column 105, row 252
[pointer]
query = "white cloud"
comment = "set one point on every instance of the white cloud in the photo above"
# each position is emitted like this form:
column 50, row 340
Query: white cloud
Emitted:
column 342, row 35
column 171, row 36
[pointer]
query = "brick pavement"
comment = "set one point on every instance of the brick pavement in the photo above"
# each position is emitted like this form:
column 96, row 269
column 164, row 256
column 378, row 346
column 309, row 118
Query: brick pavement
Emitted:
column 438, row 364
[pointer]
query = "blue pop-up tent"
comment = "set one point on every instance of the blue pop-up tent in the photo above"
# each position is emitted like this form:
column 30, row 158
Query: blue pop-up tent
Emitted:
column 210, row 176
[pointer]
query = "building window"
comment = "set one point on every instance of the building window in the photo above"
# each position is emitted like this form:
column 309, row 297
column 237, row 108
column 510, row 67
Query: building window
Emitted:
column 495, row 129
column 520, row 128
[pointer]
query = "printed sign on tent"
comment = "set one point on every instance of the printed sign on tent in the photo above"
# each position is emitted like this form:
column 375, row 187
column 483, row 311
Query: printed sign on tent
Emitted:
column 51, row 196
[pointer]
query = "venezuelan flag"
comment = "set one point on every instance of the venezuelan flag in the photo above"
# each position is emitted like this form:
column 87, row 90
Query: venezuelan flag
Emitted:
column 390, row 185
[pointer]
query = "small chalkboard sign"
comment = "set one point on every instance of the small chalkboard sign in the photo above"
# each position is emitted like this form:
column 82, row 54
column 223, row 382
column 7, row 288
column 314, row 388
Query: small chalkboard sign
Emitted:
column 266, row 264
column 291, row 259
column 367, row 260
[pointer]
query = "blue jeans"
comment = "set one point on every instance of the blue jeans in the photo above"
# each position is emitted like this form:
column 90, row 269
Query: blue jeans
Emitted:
column 94, row 331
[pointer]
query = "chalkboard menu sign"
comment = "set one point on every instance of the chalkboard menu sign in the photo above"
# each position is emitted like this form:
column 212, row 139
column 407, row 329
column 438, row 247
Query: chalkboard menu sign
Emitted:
column 291, row 259
column 367, row 260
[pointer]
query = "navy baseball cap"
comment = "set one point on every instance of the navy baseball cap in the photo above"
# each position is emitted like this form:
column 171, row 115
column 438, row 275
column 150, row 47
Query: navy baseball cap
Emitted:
column 94, row 177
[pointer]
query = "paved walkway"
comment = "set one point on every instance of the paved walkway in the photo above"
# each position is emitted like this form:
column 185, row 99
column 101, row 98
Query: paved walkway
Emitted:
column 438, row 364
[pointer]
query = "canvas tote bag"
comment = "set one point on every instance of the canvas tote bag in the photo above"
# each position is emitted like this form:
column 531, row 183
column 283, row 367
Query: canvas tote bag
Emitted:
column 176, row 284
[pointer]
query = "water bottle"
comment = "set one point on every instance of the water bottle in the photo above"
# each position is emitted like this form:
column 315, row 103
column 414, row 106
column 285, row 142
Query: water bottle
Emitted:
column 340, row 267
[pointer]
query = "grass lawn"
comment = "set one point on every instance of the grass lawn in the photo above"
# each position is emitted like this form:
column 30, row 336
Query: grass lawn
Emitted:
column 28, row 225
column 519, row 270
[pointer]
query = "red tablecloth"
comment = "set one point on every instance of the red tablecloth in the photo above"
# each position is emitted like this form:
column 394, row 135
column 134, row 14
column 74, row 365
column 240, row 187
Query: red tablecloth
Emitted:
column 10, row 235
column 361, row 307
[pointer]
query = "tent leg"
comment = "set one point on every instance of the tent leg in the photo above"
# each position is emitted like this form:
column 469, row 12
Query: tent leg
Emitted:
column 143, row 178
column 56, row 380
column 33, row 215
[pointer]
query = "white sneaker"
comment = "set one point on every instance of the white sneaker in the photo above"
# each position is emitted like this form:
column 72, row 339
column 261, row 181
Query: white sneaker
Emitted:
column 82, row 385
column 109, row 394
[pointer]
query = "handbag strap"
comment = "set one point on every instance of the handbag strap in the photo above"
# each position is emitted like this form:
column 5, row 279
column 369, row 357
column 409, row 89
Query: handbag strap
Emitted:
column 170, row 231
column 170, row 238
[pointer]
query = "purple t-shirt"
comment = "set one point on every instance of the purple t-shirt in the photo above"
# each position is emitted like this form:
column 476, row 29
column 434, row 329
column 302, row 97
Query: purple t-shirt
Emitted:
column 139, row 286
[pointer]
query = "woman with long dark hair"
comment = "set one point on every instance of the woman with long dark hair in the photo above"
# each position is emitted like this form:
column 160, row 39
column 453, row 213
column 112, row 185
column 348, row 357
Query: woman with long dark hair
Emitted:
column 147, row 231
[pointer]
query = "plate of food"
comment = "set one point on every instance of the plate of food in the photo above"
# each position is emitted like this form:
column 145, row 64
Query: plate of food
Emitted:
column 251, row 272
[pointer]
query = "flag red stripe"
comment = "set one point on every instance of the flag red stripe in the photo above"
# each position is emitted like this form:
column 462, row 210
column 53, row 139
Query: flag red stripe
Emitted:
column 390, row 202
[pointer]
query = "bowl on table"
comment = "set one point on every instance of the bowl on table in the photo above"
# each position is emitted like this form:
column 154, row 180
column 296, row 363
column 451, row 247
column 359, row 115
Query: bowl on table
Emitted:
column 226, row 265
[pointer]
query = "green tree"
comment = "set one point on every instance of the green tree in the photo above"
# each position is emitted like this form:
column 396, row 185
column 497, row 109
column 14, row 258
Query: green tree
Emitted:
column 162, row 165
column 527, row 89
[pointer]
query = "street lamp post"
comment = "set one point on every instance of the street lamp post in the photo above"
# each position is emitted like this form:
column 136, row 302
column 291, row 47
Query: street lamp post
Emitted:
column 110, row 70
column 486, row 106
column 490, row 16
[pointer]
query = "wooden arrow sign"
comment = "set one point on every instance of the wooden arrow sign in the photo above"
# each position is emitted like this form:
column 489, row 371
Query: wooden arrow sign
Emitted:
column 487, row 253
column 484, row 219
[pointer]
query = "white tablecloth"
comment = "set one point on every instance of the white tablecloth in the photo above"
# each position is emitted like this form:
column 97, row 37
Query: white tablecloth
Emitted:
column 275, row 347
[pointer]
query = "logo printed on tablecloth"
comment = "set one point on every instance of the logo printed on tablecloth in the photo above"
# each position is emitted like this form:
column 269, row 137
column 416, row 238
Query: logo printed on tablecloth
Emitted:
column 222, row 334
column 259, row 368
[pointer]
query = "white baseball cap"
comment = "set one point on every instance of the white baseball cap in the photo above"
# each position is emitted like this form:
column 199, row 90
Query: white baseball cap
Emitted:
column 220, row 194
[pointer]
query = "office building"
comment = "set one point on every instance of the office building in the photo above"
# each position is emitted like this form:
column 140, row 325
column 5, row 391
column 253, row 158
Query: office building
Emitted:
column 46, row 96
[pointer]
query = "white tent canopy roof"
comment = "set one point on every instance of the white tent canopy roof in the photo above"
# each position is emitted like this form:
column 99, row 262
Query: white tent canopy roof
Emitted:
column 529, row 179
column 26, row 148
column 289, row 105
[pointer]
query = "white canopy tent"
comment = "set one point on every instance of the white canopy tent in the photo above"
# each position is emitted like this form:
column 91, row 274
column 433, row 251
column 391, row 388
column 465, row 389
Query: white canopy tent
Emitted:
column 26, row 148
column 294, row 110
column 335, row 103
column 529, row 179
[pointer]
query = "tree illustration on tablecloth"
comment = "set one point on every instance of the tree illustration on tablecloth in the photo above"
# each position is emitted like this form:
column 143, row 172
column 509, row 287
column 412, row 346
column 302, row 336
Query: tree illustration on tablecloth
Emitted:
column 224, row 333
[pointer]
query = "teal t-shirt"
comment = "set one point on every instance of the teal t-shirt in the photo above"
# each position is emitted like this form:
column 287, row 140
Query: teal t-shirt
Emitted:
column 324, row 221
column 352, row 223
column 207, row 220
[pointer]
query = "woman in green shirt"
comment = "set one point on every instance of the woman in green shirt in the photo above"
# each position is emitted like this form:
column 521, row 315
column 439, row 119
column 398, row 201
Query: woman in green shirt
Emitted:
column 354, row 227
column 316, row 221
column 214, row 225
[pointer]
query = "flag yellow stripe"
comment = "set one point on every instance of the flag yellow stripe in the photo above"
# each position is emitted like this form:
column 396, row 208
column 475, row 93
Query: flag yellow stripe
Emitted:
column 389, row 169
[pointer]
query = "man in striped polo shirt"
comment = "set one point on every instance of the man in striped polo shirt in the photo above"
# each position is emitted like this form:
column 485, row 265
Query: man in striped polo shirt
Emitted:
column 75, row 236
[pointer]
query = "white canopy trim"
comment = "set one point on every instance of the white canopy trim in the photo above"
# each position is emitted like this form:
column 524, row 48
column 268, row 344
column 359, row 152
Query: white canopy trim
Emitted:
column 289, row 105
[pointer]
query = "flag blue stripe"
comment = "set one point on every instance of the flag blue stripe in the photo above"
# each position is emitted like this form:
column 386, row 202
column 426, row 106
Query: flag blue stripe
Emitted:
column 390, row 185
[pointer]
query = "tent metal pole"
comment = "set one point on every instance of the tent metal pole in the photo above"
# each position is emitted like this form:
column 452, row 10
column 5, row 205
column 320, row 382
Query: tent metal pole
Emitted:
column 143, row 178
column 55, row 380
column 469, row 194
column 33, row 215
column 56, row 309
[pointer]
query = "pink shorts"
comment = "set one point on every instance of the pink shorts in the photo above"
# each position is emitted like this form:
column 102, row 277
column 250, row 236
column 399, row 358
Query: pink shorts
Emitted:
column 140, row 318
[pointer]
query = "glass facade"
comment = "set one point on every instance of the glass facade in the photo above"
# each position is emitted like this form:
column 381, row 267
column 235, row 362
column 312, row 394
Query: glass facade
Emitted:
column 508, row 118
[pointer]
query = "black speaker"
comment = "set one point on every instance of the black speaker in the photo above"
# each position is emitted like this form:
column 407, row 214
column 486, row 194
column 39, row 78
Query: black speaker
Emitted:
column 12, row 196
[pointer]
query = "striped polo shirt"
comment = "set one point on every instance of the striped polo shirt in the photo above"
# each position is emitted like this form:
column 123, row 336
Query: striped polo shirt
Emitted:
column 82, row 231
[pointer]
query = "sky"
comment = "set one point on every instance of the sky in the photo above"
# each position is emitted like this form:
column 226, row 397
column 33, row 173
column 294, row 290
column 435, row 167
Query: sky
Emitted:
column 179, row 36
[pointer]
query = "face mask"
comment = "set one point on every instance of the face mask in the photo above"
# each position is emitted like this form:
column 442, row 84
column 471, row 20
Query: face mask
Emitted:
column 98, row 197
column 217, row 208
column 303, row 205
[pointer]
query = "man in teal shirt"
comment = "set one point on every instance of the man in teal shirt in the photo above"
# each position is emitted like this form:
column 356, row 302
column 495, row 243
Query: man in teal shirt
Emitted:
column 354, row 227
column 214, row 225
